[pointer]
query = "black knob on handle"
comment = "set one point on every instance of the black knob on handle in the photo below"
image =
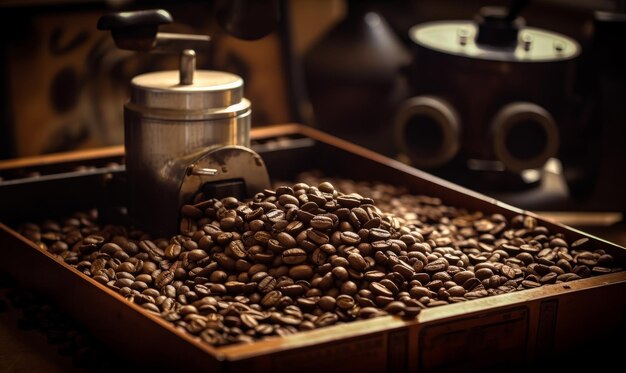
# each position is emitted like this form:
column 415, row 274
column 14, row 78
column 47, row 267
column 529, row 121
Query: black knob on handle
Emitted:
column 135, row 30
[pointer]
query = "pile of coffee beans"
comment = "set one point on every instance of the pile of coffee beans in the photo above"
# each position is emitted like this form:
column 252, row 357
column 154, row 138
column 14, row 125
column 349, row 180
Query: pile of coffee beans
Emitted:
column 308, row 255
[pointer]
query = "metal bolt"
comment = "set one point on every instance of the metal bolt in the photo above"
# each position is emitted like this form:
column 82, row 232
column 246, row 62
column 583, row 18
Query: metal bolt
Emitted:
column 203, row 171
column 463, row 36
column 527, row 40
column 558, row 46
column 187, row 66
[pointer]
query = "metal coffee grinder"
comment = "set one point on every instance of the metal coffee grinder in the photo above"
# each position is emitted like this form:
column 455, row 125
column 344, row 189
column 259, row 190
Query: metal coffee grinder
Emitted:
column 186, row 131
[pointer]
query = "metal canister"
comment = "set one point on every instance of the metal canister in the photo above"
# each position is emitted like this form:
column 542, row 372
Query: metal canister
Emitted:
column 170, row 121
column 187, row 131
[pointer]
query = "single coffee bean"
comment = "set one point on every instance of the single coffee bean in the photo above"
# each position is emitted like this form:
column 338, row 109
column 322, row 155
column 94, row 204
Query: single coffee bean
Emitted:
column 301, row 272
column 549, row 278
column 196, row 255
column 294, row 290
column 395, row 307
column 380, row 289
column 528, row 284
column 266, row 284
column 404, row 269
column 357, row 262
column 483, row 273
column 317, row 237
column 326, row 319
column 376, row 234
column 321, row 222
column 271, row 299
column 286, row 240
column 437, row 265
column 581, row 242
column 294, row 256
column 345, row 302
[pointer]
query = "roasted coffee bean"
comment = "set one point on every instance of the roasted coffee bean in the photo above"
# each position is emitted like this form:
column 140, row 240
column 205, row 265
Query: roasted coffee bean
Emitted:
column 390, row 285
column 508, row 272
column 456, row 291
column 582, row 270
column 530, row 284
column 376, row 234
column 437, row 265
column 349, row 288
column 350, row 238
column 294, row 256
column 326, row 319
column 317, row 237
column 266, row 284
column 549, row 278
column 301, row 272
column 483, row 273
column 235, row 250
column 340, row 273
column 380, row 289
column 271, row 299
column 249, row 321
column 196, row 255
column 374, row 276
column 345, row 302
column 395, row 307
column 322, row 222
column 461, row 277
column 234, row 287
column 418, row 292
column 357, row 262
column 597, row 270
column 405, row 270
column 294, row 290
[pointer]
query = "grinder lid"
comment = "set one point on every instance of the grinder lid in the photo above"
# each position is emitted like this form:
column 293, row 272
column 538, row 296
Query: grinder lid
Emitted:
column 209, row 90
column 459, row 38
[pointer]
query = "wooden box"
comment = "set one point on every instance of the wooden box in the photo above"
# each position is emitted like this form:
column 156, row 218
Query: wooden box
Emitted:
column 521, row 328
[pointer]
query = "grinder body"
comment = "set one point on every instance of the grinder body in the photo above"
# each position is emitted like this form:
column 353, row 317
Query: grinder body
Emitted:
column 186, row 131
column 169, row 128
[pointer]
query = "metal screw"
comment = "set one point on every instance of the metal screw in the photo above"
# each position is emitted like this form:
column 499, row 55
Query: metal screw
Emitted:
column 559, row 47
column 527, row 40
column 463, row 36
column 187, row 66
column 203, row 171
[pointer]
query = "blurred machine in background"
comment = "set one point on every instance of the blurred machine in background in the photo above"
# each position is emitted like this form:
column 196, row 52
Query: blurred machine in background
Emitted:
column 489, row 97
column 526, row 111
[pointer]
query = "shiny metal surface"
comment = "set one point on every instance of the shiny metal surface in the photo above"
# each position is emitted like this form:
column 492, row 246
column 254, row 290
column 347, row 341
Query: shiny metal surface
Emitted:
column 169, row 126
column 187, row 66
column 458, row 38
column 228, row 163
column 154, row 150
column 211, row 90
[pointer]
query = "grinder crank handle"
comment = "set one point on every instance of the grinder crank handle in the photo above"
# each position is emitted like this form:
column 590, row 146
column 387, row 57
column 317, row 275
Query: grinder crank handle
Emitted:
column 138, row 31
